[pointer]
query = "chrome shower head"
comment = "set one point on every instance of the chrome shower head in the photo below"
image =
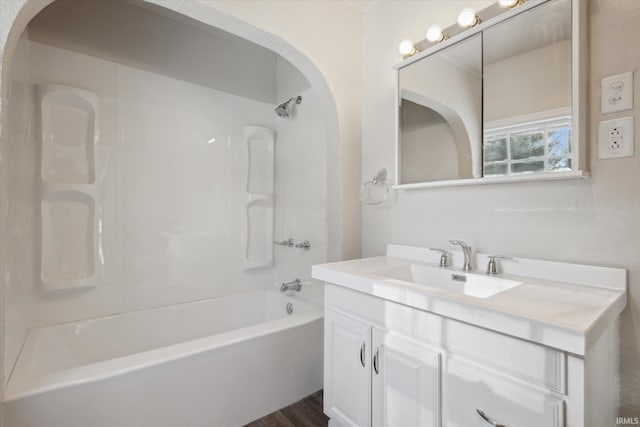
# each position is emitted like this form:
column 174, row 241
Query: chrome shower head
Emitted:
column 284, row 109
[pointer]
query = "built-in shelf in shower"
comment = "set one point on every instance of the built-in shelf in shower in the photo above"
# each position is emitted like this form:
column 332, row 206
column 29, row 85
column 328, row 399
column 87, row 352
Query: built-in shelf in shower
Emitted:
column 69, row 241
column 259, row 219
column 69, row 129
column 257, row 232
column 70, row 213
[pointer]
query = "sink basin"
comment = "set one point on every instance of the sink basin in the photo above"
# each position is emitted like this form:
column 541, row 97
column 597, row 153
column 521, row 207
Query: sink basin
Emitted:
column 472, row 284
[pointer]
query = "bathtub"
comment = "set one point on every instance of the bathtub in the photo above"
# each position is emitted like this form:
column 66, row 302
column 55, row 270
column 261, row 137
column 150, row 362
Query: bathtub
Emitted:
column 220, row 362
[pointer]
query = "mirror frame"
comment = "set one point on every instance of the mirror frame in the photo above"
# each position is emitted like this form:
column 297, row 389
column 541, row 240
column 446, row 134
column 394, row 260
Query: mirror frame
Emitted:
column 578, row 99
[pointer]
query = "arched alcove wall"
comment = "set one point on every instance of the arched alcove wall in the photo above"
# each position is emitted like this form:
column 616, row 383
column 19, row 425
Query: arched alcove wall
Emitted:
column 304, row 33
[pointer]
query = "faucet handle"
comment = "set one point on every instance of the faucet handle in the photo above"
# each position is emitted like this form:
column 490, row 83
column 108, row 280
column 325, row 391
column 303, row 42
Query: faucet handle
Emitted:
column 491, row 266
column 444, row 257
column 306, row 245
column 295, row 285
column 289, row 242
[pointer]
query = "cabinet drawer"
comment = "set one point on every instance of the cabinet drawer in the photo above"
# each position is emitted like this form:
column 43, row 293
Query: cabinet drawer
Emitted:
column 525, row 360
column 468, row 388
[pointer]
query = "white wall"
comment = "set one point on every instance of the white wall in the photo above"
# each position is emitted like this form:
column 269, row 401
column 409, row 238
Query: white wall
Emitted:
column 596, row 221
column 20, row 227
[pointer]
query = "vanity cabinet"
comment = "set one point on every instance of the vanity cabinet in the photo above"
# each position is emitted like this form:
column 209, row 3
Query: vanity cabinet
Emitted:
column 387, row 364
column 407, row 345
column 376, row 378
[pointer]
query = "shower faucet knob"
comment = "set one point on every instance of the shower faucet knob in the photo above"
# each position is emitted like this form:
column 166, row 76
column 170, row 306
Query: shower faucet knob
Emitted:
column 289, row 242
column 306, row 245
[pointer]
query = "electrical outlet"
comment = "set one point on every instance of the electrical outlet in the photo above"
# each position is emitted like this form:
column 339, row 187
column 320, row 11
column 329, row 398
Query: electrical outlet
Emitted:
column 616, row 138
column 616, row 93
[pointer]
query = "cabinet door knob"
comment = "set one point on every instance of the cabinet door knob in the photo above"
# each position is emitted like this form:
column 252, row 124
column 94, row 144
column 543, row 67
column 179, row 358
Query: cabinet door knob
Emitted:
column 375, row 360
column 489, row 420
column 362, row 351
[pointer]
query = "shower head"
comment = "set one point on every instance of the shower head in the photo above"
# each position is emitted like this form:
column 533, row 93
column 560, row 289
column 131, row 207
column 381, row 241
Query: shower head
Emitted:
column 284, row 109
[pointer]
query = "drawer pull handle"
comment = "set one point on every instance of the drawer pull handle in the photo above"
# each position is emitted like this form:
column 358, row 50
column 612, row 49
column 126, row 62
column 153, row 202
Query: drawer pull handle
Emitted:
column 375, row 361
column 489, row 420
column 362, row 350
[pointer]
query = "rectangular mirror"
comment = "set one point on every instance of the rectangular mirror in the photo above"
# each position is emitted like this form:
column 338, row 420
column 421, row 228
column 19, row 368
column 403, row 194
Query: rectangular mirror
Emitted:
column 527, row 92
column 500, row 102
column 440, row 115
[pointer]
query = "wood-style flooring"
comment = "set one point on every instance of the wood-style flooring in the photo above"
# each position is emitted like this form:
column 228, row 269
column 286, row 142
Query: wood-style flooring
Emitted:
column 305, row 413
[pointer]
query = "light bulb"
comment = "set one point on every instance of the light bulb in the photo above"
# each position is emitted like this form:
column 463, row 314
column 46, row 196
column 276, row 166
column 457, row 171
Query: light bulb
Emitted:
column 507, row 4
column 467, row 18
column 434, row 34
column 406, row 47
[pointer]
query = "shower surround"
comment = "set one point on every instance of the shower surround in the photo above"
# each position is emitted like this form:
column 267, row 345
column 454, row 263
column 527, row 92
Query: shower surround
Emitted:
column 166, row 191
column 151, row 209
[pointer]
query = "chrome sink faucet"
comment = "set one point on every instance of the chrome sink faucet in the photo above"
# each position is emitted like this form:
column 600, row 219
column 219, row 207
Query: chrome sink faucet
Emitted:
column 466, row 249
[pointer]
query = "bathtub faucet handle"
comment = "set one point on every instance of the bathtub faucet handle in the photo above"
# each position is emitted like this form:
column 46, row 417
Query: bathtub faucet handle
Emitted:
column 289, row 242
column 306, row 245
column 294, row 285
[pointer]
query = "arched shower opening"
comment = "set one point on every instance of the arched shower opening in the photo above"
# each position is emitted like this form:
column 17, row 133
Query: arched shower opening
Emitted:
column 134, row 179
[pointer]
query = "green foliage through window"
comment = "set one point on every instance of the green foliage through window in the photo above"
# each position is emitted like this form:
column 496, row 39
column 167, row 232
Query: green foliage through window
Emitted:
column 542, row 146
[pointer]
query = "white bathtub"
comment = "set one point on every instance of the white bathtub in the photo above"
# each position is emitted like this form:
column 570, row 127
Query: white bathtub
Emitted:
column 220, row 362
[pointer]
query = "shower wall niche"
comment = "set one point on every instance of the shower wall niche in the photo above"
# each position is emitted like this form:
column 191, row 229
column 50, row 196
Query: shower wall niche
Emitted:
column 68, row 120
column 257, row 231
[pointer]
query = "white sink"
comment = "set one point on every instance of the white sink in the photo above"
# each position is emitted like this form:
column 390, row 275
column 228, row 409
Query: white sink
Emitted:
column 475, row 285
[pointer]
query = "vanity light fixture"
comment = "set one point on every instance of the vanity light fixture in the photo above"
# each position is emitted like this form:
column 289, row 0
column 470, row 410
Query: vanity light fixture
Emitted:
column 406, row 48
column 508, row 4
column 435, row 34
column 468, row 18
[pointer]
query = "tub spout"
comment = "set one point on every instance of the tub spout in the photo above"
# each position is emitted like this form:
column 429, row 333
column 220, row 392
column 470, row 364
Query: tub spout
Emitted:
column 294, row 285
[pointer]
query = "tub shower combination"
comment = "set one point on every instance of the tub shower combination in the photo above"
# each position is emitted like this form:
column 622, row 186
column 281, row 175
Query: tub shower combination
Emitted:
column 220, row 362
column 143, row 278
column 226, row 360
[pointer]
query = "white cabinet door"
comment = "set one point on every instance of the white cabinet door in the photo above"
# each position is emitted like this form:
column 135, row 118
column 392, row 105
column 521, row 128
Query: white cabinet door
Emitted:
column 405, row 382
column 347, row 373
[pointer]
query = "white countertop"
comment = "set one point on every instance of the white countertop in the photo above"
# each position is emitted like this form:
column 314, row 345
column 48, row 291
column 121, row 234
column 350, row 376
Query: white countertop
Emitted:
column 559, row 314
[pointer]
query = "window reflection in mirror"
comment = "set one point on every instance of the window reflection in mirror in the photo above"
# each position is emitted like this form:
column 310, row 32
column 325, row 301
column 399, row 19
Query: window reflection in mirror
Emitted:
column 527, row 92
column 440, row 114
